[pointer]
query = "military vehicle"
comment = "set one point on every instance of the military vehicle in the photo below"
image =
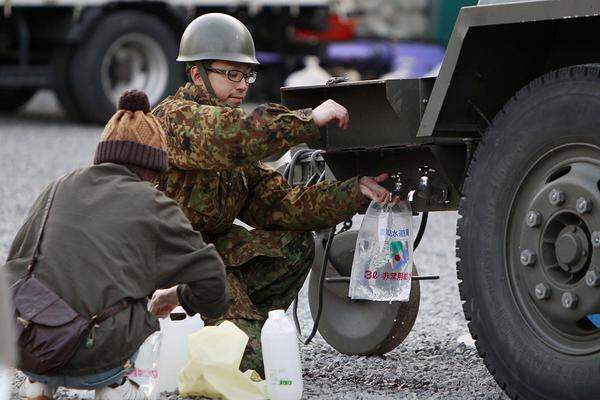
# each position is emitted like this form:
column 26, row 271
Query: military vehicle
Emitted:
column 508, row 134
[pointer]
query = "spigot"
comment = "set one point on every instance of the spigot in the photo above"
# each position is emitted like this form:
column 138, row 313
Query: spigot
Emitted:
column 424, row 189
column 397, row 178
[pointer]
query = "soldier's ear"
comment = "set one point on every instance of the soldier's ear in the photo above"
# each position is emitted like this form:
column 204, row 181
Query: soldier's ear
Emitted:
column 195, row 77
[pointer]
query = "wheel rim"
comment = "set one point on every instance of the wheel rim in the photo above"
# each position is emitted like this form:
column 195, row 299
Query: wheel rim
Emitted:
column 553, row 250
column 134, row 61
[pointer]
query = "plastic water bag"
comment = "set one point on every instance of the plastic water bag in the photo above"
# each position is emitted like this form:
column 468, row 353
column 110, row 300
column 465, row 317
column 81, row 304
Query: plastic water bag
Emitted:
column 145, row 372
column 383, row 257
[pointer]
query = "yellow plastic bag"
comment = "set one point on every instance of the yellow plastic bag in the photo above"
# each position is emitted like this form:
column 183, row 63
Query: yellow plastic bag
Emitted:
column 213, row 370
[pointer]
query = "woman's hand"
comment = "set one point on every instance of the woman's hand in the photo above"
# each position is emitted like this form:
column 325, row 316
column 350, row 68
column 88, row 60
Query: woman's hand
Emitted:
column 163, row 302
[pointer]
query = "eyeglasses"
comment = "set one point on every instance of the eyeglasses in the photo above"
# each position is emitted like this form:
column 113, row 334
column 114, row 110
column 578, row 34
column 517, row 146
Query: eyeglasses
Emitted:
column 235, row 75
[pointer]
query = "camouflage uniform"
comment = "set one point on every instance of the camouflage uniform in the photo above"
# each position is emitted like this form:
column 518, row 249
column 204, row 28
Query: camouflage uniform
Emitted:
column 216, row 177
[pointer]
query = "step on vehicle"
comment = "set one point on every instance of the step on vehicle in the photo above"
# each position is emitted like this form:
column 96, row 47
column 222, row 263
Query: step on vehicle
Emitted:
column 508, row 134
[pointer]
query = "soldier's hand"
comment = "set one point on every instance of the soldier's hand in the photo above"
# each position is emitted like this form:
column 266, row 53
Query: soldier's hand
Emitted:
column 369, row 186
column 163, row 302
column 329, row 111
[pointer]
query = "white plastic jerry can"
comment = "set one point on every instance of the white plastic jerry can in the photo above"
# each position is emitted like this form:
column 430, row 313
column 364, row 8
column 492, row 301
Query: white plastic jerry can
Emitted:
column 281, row 357
column 174, row 349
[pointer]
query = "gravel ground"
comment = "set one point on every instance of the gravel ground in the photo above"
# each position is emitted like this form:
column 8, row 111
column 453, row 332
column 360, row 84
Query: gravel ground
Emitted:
column 436, row 361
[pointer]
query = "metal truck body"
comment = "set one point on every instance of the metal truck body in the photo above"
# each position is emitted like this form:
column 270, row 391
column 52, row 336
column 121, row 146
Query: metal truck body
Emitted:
column 508, row 134
column 493, row 52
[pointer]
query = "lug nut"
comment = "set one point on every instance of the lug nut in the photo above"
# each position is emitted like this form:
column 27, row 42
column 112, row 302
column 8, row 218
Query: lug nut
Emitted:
column 556, row 197
column 527, row 257
column 569, row 300
column 534, row 218
column 583, row 205
column 592, row 278
column 596, row 239
column 542, row 291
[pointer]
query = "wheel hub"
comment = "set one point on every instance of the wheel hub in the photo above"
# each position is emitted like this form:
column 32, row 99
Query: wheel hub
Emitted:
column 134, row 61
column 572, row 249
column 555, row 257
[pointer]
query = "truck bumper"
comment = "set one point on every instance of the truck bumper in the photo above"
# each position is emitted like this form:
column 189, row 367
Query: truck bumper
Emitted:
column 16, row 77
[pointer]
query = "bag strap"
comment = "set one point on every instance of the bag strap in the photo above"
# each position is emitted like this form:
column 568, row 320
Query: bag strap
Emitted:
column 110, row 311
column 102, row 315
column 36, row 249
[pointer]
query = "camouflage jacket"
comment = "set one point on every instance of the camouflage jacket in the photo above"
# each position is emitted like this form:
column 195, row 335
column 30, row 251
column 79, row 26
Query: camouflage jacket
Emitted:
column 215, row 174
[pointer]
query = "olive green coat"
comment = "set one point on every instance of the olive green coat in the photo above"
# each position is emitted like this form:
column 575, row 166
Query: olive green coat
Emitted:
column 110, row 236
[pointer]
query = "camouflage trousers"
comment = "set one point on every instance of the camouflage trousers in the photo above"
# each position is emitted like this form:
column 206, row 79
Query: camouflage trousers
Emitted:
column 270, row 283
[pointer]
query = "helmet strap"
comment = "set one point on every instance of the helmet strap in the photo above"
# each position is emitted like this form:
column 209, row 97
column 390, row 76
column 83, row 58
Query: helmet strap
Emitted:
column 204, row 76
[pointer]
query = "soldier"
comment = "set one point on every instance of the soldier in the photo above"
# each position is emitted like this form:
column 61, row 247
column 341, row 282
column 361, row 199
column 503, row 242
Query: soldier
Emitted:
column 216, row 176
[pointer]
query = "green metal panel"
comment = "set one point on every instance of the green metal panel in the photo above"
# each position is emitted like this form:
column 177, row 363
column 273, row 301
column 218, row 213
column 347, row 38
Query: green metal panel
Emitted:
column 509, row 15
column 382, row 113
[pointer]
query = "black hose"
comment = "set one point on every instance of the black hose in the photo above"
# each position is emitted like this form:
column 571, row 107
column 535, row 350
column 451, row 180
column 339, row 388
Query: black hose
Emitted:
column 421, row 230
column 320, row 289
column 288, row 173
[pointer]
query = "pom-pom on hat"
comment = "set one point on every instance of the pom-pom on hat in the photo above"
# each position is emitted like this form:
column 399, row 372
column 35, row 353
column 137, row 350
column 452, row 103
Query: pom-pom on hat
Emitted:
column 133, row 136
column 134, row 100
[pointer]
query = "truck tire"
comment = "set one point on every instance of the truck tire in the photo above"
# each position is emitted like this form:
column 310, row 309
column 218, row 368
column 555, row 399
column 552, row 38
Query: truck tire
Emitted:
column 126, row 50
column 13, row 99
column 63, row 84
column 529, row 240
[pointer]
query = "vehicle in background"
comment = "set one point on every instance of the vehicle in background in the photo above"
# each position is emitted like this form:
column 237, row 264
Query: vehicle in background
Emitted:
column 389, row 39
column 90, row 51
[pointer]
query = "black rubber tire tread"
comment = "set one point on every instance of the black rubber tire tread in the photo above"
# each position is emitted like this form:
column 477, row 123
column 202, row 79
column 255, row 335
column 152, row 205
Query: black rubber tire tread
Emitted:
column 87, row 60
column 537, row 371
column 13, row 99
column 63, row 84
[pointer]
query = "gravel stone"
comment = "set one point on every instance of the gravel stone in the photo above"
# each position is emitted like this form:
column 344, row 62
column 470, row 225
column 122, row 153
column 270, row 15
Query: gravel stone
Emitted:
column 38, row 145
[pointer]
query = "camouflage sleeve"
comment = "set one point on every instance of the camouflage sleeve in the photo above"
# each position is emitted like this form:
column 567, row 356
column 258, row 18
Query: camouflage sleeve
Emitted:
column 219, row 138
column 273, row 204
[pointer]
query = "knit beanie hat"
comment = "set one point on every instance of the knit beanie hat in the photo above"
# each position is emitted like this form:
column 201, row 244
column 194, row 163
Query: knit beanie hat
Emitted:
column 133, row 136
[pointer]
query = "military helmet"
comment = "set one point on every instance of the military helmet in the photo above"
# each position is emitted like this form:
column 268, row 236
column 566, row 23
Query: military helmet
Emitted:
column 217, row 36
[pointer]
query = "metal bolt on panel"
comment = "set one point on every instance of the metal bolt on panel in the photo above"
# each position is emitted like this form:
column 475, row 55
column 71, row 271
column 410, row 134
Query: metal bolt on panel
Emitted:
column 556, row 197
column 592, row 278
column 534, row 218
column 542, row 291
column 527, row 257
column 569, row 300
column 583, row 205
column 596, row 239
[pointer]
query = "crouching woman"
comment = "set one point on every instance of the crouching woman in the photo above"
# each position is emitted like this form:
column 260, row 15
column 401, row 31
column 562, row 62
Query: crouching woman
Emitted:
column 95, row 245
